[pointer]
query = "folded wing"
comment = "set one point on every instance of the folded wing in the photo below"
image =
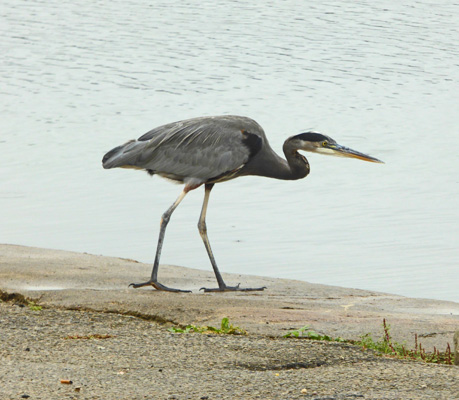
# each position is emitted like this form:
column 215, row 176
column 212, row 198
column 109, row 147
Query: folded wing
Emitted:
column 204, row 148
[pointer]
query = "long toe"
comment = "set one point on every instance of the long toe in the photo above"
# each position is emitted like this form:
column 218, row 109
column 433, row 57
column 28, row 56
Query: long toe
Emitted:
column 158, row 286
column 137, row 285
column 232, row 289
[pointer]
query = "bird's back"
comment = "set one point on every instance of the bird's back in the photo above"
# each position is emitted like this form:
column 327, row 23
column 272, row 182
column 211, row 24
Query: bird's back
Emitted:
column 204, row 149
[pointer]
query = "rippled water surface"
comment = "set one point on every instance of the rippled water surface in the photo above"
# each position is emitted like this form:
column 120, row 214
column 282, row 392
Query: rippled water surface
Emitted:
column 78, row 78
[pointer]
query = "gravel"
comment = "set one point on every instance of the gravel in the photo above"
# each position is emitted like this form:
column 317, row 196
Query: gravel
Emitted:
column 112, row 356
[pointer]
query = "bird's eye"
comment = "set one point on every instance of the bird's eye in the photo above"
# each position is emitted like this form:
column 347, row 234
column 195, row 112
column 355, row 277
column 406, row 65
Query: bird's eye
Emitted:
column 324, row 143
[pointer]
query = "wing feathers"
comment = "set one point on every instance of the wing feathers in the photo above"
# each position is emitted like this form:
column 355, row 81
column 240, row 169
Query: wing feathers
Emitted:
column 200, row 148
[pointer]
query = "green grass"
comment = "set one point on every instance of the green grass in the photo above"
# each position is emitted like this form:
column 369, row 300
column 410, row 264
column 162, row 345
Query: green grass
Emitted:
column 33, row 306
column 225, row 328
column 308, row 333
column 385, row 345
column 20, row 299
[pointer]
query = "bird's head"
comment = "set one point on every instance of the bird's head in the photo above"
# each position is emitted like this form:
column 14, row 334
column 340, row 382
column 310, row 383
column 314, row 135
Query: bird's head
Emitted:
column 318, row 143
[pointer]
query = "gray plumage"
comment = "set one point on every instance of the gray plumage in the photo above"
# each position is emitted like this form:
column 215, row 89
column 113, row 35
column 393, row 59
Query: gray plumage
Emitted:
column 199, row 150
column 209, row 150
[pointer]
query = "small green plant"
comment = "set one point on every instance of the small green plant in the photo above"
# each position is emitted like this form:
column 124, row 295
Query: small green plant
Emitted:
column 20, row 300
column 308, row 333
column 388, row 347
column 188, row 329
column 33, row 306
column 385, row 345
column 226, row 328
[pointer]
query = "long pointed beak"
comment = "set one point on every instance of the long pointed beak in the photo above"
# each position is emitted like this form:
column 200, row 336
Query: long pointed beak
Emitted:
column 342, row 151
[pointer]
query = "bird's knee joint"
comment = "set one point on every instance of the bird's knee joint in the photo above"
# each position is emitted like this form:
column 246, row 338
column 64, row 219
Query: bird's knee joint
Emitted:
column 202, row 227
column 165, row 219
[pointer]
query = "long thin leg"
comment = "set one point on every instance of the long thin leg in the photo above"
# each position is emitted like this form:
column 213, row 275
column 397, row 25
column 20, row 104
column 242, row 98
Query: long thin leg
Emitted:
column 222, row 287
column 154, row 273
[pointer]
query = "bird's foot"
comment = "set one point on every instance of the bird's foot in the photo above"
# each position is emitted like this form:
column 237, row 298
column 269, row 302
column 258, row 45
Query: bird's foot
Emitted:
column 232, row 289
column 158, row 286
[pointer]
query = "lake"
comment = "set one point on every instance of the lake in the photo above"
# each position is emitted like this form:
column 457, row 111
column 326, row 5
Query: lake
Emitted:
column 79, row 78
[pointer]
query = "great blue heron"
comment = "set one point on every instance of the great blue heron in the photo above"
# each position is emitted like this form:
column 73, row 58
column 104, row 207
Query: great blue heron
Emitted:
column 209, row 150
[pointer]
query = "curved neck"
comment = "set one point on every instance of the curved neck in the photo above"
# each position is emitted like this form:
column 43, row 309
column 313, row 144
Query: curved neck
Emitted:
column 297, row 164
column 268, row 163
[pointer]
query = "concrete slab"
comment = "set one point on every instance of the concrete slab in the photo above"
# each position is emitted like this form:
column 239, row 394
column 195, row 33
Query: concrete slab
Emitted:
column 82, row 281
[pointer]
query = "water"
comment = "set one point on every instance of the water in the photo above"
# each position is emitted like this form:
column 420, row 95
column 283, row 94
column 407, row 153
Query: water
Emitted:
column 78, row 78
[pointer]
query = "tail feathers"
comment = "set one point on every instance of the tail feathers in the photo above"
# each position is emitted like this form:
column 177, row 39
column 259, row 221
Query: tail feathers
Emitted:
column 121, row 156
